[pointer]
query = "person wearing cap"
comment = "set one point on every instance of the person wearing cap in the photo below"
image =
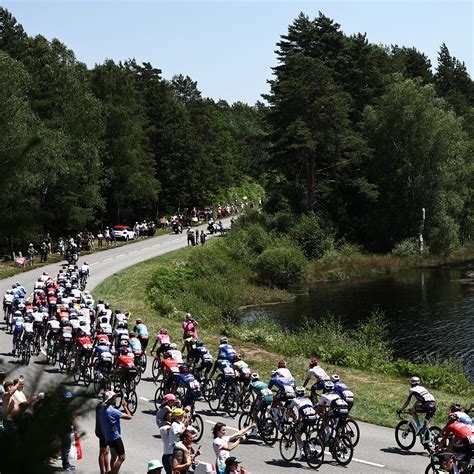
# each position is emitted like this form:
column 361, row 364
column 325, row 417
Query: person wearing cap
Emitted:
column 178, row 425
column 232, row 466
column 154, row 467
column 110, row 425
column 169, row 402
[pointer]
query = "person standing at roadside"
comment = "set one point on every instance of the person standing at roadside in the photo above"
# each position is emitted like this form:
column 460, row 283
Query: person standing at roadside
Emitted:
column 184, row 455
column 189, row 326
column 100, row 239
column 223, row 444
column 104, row 460
column 110, row 425
column 203, row 237
column 167, row 447
column 31, row 253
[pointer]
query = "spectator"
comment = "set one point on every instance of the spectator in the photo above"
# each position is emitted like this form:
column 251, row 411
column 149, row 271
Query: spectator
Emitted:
column 61, row 246
column 232, row 466
column 14, row 404
column 197, row 237
column 167, row 447
column 104, row 458
column 223, row 444
column 184, row 455
column 107, row 236
column 48, row 241
column 31, row 253
column 154, row 467
column 110, row 426
column 190, row 235
column 178, row 426
column 203, row 237
column 190, row 325
column 2, row 392
column 100, row 239
column 44, row 252
column 112, row 237
column 66, row 442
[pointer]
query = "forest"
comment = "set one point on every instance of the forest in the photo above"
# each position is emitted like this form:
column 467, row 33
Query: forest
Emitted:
column 361, row 137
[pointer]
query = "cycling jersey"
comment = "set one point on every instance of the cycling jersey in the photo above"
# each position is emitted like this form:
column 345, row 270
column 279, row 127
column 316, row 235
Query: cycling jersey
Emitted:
column 334, row 403
column 227, row 351
column 28, row 328
column 135, row 345
column 163, row 338
column 170, row 365
column 285, row 374
column 75, row 323
column 126, row 361
column 303, row 408
column 344, row 391
column 460, row 431
column 105, row 328
column 318, row 373
column 203, row 354
column 54, row 325
column 421, row 394
column 464, row 418
column 285, row 387
column 176, row 355
column 189, row 382
column 84, row 342
column 262, row 391
column 101, row 349
column 141, row 330
column 18, row 323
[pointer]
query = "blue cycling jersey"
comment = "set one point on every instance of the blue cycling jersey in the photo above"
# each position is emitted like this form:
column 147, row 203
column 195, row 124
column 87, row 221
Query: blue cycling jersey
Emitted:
column 188, row 381
column 279, row 382
column 100, row 349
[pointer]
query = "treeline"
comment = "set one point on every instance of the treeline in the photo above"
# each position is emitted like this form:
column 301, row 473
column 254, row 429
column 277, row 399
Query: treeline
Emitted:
column 366, row 136
column 360, row 135
column 112, row 144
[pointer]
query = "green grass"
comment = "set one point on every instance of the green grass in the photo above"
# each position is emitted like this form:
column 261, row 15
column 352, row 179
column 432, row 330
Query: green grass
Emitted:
column 212, row 284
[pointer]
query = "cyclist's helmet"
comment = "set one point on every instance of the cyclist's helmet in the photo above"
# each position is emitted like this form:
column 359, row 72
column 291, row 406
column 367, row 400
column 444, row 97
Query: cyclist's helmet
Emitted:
column 313, row 362
column 138, row 321
column 121, row 325
column 102, row 342
column 199, row 343
column 14, row 285
column 85, row 263
column 415, row 381
column 107, row 306
column 103, row 320
column 173, row 346
column 273, row 373
column 101, row 302
column 452, row 417
column 456, row 407
column 163, row 331
column 335, row 378
column 124, row 350
column 299, row 391
column 328, row 386
column 184, row 369
column 17, row 284
column 166, row 355
column 224, row 340
column 27, row 319
column 255, row 376
column 282, row 364
column 132, row 334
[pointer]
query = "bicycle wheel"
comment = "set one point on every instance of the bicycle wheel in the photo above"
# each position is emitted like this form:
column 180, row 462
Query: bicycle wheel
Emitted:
column 351, row 429
column 76, row 373
column 138, row 376
column 118, row 400
column 268, row 430
column 87, row 376
column 232, row 404
column 214, row 400
column 198, row 424
column 26, row 355
column 246, row 401
column 405, row 435
column 288, row 447
column 436, row 467
column 158, row 397
column 244, row 420
column 314, row 451
column 132, row 401
column 155, row 369
column 206, row 388
column 343, row 450
column 143, row 362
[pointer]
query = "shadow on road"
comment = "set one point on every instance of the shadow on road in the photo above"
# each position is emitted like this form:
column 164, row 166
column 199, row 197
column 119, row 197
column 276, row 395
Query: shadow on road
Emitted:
column 396, row 450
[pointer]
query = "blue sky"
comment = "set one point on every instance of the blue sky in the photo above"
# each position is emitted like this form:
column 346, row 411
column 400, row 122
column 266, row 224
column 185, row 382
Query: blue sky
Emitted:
column 228, row 47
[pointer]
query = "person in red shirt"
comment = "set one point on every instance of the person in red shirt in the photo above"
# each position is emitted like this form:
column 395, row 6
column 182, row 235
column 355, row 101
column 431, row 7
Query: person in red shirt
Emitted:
column 125, row 365
column 170, row 370
column 458, row 437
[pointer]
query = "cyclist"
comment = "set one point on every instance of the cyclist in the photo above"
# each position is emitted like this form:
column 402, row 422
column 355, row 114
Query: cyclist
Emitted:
column 125, row 365
column 283, row 372
column 66, row 340
column 170, row 368
column 462, row 439
column 203, row 357
column 175, row 353
column 164, row 340
column 28, row 331
column 463, row 417
column 424, row 403
column 331, row 405
column 304, row 412
column 226, row 349
column 263, row 398
column 84, row 272
column 319, row 374
column 83, row 344
column 53, row 328
column 186, row 380
column 118, row 333
column 18, row 323
column 7, row 303
column 242, row 369
column 104, row 328
column 343, row 390
column 285, row 391
column 142, row 333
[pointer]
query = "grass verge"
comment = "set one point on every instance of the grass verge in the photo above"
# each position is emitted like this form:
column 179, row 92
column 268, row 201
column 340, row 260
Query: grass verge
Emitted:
column 214, row 281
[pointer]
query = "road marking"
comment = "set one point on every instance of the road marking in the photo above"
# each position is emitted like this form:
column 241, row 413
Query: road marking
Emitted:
column 361, row 461
column 121, row 255
column 110, row 258
column 228, row 427
column 146, row 400
column 92, row 264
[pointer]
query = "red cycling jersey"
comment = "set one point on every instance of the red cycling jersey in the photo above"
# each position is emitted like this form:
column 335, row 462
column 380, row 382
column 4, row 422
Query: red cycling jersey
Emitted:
column 169, row 364
column 125, row 360
column 460, row 431
column 84, row 341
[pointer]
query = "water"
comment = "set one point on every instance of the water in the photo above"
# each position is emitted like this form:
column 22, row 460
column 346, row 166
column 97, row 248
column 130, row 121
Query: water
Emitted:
column 430, row 311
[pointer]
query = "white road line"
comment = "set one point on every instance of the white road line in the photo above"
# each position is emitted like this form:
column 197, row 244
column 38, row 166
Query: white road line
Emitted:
column 95, row 263
column 107, row 259
column 146, row 400
column 368, row 463
column 228, row 427
column 121, row 255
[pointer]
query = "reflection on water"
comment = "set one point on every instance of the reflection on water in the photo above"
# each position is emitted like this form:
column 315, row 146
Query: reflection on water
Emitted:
column 428, row 311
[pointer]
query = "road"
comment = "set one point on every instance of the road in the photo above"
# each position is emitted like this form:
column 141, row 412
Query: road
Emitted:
column 376, row 452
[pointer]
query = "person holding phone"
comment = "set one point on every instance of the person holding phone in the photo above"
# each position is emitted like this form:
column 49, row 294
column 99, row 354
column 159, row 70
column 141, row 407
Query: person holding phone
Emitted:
column 184, row 455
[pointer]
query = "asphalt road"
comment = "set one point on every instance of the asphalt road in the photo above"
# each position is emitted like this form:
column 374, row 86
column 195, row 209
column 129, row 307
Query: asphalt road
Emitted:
column 376, row 452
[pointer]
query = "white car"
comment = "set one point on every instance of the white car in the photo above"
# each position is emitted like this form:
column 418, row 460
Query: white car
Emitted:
column 122, row 232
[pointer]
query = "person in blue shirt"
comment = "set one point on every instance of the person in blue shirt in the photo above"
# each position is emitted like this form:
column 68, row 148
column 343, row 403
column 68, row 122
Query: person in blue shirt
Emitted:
column 193, row 388
column 285, row 390
column 463, row 417
column 109, row 420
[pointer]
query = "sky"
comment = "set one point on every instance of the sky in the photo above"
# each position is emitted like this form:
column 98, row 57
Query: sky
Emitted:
column 228, row 46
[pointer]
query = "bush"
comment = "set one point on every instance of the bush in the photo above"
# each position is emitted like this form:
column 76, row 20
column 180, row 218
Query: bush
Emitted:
column 171, row 281
column 282, row 222
column 282, row 267
column 408, row 248
column 161, row 302
column 314, row 236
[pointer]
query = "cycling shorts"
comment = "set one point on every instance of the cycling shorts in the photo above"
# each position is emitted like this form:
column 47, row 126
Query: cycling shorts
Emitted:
column 427, row 407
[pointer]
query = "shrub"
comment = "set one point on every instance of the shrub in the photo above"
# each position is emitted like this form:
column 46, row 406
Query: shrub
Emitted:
column 171, row 280
column 161, row 302
column 408, row 248
column 282, row 222
column 282, row 267
column 314, row 236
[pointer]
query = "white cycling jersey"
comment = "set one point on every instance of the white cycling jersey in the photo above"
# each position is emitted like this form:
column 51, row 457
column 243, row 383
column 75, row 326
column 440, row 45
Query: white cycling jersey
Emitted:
column 54, row 324
column 37, row 316
column 284, row 373
column 176, row 355
column 318, row 373
column 421, row 394
column 28, row 327
column 75, row 323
